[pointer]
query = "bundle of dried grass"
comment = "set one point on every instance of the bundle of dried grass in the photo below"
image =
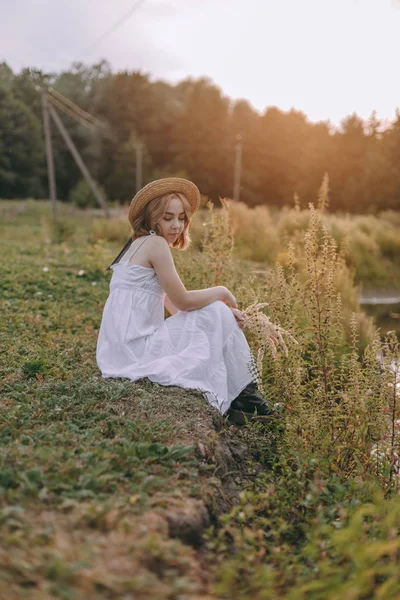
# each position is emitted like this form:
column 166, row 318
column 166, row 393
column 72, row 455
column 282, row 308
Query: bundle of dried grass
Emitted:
column 267, row 333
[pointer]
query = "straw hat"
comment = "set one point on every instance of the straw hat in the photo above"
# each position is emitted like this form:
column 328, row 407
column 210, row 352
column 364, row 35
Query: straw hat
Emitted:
column 160, row 187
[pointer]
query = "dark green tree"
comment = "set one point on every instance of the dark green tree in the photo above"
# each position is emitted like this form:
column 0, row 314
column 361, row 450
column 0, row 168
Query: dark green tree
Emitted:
column 26, row 87
column 190, row 129
column 201, row 139
column 6, row 76
column 21, row 149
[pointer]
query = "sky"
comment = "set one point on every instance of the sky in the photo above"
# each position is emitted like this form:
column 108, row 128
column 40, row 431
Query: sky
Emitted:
column 327, row 58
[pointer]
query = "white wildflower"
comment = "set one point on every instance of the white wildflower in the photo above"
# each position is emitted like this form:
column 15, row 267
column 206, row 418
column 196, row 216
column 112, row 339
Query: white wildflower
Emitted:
column 94, row 283
column 81, row 272
column 45, row 269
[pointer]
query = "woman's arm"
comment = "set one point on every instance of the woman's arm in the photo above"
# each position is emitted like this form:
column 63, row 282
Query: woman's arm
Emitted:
column 171, row 308
column 161, row 259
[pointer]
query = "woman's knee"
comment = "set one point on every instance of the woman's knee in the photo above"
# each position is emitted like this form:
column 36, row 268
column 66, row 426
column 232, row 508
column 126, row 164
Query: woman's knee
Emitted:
column 218, row 311
column 218, row 306
column 221, row 311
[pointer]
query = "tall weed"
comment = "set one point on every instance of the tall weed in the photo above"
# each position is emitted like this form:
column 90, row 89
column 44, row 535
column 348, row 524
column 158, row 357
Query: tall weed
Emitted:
column 331, row 381
column 329, row 374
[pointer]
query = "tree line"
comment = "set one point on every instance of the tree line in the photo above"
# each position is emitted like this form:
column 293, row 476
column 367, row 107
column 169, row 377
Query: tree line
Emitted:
column 190, row 130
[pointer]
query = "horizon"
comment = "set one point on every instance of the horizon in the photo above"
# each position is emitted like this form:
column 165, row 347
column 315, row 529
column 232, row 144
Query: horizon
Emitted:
column 384, row 122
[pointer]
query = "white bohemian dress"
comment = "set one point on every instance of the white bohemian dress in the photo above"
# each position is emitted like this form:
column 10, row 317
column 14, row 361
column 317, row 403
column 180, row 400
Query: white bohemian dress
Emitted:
column 201, row 349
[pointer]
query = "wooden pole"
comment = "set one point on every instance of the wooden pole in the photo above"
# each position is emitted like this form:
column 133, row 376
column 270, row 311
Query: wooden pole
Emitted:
column 78, row 159
column 139, row 165
column 238, row 168
column 49, row 153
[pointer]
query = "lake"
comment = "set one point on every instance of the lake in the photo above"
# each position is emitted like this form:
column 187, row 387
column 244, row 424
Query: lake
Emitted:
column 384, row 307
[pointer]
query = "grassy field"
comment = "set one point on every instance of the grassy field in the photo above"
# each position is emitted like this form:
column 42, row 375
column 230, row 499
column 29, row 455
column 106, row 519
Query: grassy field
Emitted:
column 106, row 486
column 112, row 489
column 89, row 467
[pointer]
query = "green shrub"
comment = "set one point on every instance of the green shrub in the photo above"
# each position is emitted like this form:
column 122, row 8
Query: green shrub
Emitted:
column 82, row 196
column 301, row 532
column 370, row 244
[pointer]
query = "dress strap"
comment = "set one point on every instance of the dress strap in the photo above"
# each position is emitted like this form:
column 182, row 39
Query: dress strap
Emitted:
column 126, row 248
column 141, row 243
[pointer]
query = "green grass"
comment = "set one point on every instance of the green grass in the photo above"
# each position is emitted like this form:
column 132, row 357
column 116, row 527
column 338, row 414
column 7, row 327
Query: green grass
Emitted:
column 94, row 474
column 113, row 489
column 82, row 461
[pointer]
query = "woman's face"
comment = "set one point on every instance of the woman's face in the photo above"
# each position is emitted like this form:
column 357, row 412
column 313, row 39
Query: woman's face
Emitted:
column 173, row 221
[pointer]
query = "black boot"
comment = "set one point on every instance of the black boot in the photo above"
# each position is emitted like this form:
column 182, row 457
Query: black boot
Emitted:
column 249, row 405
column 250, row 399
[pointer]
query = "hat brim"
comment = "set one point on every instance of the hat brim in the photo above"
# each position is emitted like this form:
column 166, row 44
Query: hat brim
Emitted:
column 160, row 187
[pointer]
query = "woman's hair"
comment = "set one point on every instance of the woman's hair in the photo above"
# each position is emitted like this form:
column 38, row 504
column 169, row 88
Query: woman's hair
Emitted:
column 153, row 212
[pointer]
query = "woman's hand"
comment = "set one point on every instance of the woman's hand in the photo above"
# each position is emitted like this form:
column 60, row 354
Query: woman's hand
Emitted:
column 226, row 296
column 239, row 316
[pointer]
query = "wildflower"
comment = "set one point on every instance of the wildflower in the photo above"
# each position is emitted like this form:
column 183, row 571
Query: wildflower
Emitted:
column 49, row 295
column 45, row 269
column 81, row 272
column 94, row 283
column 39, row 293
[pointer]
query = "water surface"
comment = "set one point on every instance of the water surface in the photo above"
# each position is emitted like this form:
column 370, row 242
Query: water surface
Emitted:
column 384, row 306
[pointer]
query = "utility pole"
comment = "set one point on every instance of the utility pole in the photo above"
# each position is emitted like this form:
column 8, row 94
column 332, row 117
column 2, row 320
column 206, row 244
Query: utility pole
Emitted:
column 78, row 159
column 49, row 152
column 139, row 165
column 238, row 168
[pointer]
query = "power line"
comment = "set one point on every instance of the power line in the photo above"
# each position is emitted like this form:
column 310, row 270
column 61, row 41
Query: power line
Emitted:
column 78, row 159
column 136, row 4
column 69, row 112
column 76, row 108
